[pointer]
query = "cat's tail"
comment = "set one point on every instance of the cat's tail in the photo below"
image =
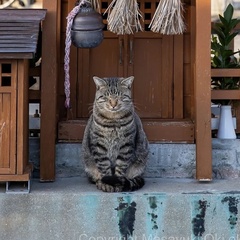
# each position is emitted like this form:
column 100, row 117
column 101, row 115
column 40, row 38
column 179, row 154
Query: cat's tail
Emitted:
column 124, row 183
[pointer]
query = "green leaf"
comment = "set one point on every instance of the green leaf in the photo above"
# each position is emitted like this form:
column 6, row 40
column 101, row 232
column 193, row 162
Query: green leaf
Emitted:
column 228, row 13
column 217, row 62
column 234, row 23
column 230, row 38
column 224, row 21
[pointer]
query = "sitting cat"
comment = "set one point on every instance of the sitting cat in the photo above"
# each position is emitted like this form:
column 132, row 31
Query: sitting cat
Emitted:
column 115, row 147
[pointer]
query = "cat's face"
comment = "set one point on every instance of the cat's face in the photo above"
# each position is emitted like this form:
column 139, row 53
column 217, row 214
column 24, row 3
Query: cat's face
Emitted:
column 113, row 95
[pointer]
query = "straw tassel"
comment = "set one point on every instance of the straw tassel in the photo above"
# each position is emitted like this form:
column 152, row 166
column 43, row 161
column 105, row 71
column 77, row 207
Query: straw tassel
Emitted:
column 124, row 17
column 168, row 18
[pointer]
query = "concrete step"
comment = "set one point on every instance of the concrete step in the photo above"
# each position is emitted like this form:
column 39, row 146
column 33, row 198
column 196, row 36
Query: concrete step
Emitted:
column 73, row 209
column 165, row 160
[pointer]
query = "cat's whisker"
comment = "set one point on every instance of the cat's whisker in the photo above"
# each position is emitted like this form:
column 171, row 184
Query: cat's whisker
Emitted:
column 137, row 106
column 90, row 108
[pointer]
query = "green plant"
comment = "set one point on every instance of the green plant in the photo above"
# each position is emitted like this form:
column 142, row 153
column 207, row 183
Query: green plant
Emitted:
column 222, row 54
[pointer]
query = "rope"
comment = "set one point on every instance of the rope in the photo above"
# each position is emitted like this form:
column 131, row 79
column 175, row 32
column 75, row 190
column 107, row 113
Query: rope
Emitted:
column 68, row 42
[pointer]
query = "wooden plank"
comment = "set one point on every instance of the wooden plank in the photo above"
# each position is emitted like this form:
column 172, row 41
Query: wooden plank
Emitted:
column 17, row 49
column 17, row 24
column 225, row 72
column 14, row 118
column 22, row 116
column 35, row 71
column 34, row 95
column 50, row 47
column 178, row 77
column 201, row 33
column 149, row 79
column 22, row 15
column 15, row 41
column 20, row 37
column 170, row 131
column 26, row 46
column 225, row 94
column 14, row 55
column 6, row 89
column 17, row 28
column 167, row 77
column 5, row 132
column 18, row 177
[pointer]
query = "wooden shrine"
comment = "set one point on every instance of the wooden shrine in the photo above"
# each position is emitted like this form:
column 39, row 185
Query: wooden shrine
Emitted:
column 173, row 75
column 19, row 30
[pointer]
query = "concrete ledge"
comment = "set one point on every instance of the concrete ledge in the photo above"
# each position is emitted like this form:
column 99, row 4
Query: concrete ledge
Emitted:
column 165, row 160
column 71, row 208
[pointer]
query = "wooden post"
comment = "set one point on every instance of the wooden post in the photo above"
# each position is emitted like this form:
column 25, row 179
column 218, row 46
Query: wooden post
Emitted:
column 50, row 63
column 22, row 116
column 202, row 76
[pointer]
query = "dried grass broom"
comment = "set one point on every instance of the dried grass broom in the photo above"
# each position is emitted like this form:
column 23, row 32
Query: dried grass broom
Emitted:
column 124, row 17
column 168, row 18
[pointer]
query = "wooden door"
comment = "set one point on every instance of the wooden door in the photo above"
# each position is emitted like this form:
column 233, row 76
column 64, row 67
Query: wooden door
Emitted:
column 156, row 62
column 8, row 79
column 149, row 57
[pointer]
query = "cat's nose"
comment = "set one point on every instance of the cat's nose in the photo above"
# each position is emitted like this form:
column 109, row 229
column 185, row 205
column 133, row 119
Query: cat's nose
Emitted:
column 113, row 102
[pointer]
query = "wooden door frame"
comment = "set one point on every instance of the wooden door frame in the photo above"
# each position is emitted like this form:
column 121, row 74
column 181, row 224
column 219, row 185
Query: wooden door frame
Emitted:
column 49, row 78
column 201, row 26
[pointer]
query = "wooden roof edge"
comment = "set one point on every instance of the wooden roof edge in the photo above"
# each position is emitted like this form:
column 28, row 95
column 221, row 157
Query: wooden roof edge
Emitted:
column 24, row 55
column 22, row 15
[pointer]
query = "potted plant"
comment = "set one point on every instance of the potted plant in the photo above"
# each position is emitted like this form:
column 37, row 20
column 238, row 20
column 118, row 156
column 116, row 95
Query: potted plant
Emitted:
column 223, row 57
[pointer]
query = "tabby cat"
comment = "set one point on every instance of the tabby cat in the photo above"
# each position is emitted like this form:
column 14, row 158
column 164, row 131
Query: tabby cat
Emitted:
column 114, row 147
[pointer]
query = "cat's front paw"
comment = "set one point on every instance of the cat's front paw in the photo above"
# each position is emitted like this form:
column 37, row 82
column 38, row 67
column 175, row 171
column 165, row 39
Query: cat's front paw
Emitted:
column 107, row 188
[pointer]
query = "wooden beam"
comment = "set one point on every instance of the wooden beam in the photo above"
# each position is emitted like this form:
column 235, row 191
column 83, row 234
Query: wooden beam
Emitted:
column 202, row 77
column 170, row 131
column 225, row 72
column 22, row 115
column 50, row 63
column 225, row 94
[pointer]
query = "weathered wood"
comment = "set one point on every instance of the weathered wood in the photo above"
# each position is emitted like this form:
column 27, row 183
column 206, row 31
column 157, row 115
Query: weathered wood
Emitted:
column 155, row 60
column 178, row 90
column 18, row 177
column 8, row 121
column 201, row 33
column 225, row 72
column 22, row 116
column 158, row 131
column 225, row 94
column 196, row 79
column 22, row 15
column 34, row 96
column 14, row 76
column 49, row 78
column 19, row 32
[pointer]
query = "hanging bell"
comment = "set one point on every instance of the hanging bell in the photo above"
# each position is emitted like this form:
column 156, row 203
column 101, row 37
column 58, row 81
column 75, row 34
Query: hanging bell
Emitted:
column 87, row 28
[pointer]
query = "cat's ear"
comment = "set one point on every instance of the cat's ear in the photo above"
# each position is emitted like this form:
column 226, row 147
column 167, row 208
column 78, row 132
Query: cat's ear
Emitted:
column 99, row 82
column 127, row 82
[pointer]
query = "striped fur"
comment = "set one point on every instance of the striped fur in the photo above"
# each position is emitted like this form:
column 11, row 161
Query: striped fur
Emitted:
column 114, row 147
